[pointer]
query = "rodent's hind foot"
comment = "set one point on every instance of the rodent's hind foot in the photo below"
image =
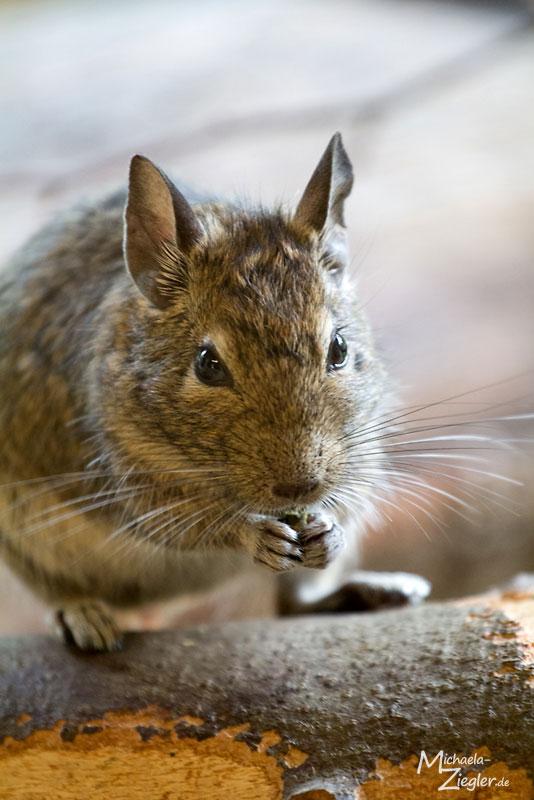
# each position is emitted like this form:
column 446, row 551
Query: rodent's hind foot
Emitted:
column 360, row 591
column 367, row 591
column 88, row 625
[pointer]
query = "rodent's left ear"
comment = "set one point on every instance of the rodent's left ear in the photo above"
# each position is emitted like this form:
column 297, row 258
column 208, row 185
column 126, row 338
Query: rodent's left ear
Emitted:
column 322, row 204
column 160, row 227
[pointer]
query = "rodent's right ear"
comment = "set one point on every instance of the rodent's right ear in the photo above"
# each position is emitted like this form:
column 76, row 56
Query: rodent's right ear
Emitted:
column 321, row 207
column 160, row 228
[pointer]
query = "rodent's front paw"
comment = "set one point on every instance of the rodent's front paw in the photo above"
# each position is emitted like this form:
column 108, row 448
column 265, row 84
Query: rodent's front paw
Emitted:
column 275, row 545
column 321, row 540
column 89, row 625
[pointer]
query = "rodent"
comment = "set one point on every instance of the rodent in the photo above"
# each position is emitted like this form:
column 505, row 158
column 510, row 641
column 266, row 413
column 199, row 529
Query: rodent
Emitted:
column 177, row 379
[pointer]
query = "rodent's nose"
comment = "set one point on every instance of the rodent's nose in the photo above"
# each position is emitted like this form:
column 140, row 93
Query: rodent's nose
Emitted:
column 295, row 491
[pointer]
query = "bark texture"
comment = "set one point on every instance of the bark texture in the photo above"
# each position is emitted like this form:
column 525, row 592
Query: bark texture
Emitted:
column 310, row 708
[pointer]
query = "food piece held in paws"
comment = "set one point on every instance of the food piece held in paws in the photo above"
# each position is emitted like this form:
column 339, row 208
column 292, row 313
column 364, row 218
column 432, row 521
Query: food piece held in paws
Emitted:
column 296, row 518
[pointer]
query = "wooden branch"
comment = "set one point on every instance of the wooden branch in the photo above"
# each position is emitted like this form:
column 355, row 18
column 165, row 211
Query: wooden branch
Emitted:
column 309, row 708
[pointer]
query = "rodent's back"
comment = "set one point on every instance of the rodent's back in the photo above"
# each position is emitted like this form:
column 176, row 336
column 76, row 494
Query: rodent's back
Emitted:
column 51, row 296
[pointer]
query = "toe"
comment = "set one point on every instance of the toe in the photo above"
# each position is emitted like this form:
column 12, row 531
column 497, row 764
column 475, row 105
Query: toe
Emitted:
column 88, row 626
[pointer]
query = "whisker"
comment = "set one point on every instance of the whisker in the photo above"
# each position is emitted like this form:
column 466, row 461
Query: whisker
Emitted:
column 423, row 407
column 194, row 516
column 118, row 496
column 459, row 480
column 465, row 421
column 381, row 499
column 212, row 524
column 125, row 491
column 84, row 475
column 132, row 523
column 443, row 438
column 402, row 490
column 460, row 458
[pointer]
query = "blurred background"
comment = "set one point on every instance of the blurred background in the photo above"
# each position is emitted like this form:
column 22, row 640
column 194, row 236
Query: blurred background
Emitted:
column 435, row 100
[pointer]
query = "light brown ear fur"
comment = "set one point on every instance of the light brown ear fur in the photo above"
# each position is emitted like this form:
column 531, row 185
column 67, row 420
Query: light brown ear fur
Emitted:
column 160, row 228
column 321, row 206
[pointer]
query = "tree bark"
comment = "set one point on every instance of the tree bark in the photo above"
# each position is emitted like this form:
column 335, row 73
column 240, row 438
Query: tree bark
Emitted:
column 307, row 707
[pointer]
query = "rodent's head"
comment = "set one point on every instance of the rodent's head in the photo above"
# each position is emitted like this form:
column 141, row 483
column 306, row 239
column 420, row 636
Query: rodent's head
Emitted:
column 252, row 355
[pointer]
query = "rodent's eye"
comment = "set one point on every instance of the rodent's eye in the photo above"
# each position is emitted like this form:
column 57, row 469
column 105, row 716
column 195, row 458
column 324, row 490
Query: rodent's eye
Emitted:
column 338, row 352
column 210, row 369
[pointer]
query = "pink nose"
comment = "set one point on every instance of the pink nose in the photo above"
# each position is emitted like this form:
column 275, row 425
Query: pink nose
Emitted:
column 295, row 491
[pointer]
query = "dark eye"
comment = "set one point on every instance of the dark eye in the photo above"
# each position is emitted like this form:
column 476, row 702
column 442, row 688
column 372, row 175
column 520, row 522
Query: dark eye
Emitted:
column 337, row 354
column 210, row 369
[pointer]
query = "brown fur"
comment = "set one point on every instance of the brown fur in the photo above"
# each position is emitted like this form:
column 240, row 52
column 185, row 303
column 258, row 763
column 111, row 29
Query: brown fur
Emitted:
column 97, row 380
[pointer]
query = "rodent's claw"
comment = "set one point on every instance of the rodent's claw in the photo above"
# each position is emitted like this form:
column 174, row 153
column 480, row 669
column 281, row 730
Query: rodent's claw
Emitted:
column 279, row 547
column 321, row 540
column 89, row 625
column 276, row 546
